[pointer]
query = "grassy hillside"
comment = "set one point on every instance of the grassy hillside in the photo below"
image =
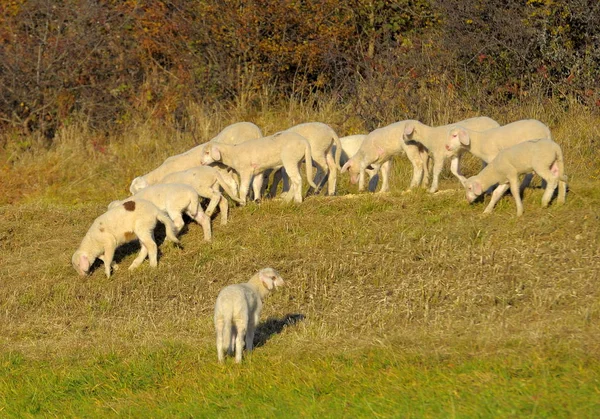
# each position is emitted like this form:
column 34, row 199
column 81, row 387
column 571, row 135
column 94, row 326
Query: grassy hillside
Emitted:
column 404, row 305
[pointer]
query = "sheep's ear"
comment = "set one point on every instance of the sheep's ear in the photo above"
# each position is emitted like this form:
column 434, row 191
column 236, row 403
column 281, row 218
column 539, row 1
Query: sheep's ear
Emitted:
column 84, row 263
column 215, row 153
column 477, row 188
column 346, row 166
column 409, row 129
column 463, row 137
column 266, row 280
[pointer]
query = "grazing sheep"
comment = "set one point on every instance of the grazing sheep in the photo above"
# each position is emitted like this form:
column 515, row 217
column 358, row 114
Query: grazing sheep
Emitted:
column 237, row 312
column 233, row 134
column 321, row 138
column 208, row 182
column 174, row 199
column 378, row 148
column 120, row 225
column 542, row 156
column 350, row 146
column 434, row 140
column 253, row 157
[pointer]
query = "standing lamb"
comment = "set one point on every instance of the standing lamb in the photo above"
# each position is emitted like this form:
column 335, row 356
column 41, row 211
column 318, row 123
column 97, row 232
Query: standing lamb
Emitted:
column 208, row 182
column 378, row 148
column 543, row 157
column 118, row 226
column 174, row 199
column 237, row 312
column 321, row 138
column 434, row 140
column 233, row 134
column 253, row 157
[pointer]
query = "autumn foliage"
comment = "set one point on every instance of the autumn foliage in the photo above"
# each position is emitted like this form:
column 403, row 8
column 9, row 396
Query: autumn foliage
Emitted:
column 108, row 62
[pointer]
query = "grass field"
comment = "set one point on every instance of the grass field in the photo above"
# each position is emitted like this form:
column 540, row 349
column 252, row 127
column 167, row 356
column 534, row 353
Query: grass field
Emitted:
column 395, row 305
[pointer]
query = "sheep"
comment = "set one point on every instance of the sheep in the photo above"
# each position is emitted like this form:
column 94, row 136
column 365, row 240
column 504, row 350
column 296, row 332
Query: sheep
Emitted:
column 434, row 140
column 253, row 157
column 237, row 312
column 233, row 134
column 174, row 199
column 207, row 181
column 321, row 138
column 542, row 156
column 378, row 148
column 120, row 225
column 350, row 146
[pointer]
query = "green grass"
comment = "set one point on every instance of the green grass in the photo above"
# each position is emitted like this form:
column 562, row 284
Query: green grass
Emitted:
column 395, row 305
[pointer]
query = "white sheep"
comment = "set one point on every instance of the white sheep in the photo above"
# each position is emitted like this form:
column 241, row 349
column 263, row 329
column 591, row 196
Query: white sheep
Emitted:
column 175, row 199
column 120, row 225
column 233, row 134
column 542, row 156
column 253, row 157
column 487, row 144
column 350, row 146
column 434, row 140
column 237, row 312
column 208, row 182
column 321, row 138
column 378, row 148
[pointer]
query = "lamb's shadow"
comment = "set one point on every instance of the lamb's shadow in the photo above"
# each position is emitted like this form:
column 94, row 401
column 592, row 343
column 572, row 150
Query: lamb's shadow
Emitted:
column 273, row 326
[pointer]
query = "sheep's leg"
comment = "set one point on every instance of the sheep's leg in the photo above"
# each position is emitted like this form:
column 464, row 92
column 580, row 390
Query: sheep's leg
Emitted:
column 425, row 161
column 250, row 338
column 239, row 343
column 148, row 248
column 224, row 209
column 496, row 195
column 551, row 184
column 295, row 193
column 332, row 178
column 455, row 168
column 109, row 254
column 220, row 349
column 526, row 182
column 178, row 222
column 204, row 221
column 416, row 159
column 245, row 179
column 320, row 162
column 361, row 179
column 215, row 197
column 516, row 193
column 257, row 184
column 438, row 165
column 385, row 176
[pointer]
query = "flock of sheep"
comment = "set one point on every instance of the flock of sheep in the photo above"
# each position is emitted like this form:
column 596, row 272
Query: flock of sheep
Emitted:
column 240, row 158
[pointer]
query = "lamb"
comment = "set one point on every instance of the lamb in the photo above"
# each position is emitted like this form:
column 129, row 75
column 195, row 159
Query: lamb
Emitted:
column 488, row 143
column 120, row 225
column 378, row 148
column 350, row 146
column 174, row 199
column 233, row 134
column 208, row 182
column 542, row 156
column 237, row 312
column 253, row 157
column 434, row 140
column 321, row 138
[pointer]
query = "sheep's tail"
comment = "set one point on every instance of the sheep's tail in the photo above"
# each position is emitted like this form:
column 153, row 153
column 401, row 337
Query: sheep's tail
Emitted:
column 223, row 184
column 338, row 151
column 169, row 226
column 562, row 178
column 308, row 158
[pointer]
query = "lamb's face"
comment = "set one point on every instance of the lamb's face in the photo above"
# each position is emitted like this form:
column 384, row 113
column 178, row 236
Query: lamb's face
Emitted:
column 453, row 143
column 352, row 168
column 80, row 263
column 473, row 189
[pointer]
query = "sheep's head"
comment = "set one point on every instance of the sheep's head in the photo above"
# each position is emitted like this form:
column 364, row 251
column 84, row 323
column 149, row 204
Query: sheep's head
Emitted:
column 81, row 263
column 210, row 154
column 457, row 138
column 270, row 278
column 473, row 189
column 352, row 167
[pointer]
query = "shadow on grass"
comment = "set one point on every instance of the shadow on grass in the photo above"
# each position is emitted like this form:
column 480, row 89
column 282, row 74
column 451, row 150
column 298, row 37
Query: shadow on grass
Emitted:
column 274, row 326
